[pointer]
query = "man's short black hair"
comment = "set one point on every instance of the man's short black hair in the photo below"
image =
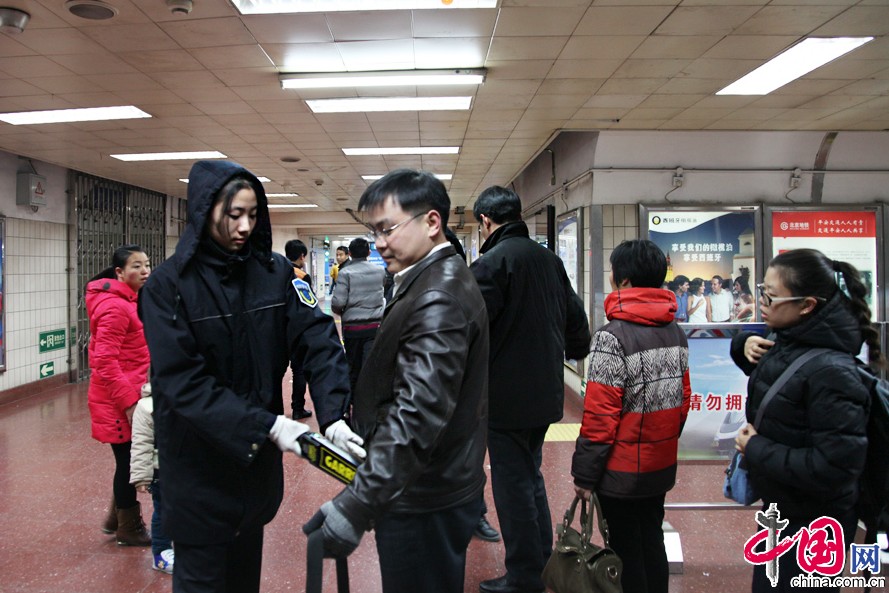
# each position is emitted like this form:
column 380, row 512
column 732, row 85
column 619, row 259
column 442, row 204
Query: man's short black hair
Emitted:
column 295, row 249
column 500, row 204
column 359, row 248
column 343, row 248
column 414, row 191
column 680, row 280
column 641, row 262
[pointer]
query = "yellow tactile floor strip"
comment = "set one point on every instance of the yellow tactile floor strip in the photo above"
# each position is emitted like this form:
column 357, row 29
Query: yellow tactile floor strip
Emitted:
column 562, row 433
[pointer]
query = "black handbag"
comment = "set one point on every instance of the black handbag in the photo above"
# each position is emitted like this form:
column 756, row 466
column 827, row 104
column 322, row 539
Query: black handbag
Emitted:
column 577, row 565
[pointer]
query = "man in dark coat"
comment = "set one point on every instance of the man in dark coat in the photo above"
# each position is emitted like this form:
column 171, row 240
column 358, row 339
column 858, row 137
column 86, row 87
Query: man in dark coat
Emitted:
column 421, row 400
column 537, row 321
column 222, row 318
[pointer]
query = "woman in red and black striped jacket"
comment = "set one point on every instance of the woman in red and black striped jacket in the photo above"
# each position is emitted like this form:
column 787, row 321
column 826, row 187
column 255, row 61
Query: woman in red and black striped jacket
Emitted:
column 636, row 403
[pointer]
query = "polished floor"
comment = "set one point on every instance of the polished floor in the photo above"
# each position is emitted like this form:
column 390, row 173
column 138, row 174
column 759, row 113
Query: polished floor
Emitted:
column 55, row 483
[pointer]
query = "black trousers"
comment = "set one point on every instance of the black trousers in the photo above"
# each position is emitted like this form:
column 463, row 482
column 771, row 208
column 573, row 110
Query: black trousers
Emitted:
column 232, row 567
column 357, row 344
column 298, row 396
column 425, row 552
column 520, row 500
column 637, row 535
column 124, row 492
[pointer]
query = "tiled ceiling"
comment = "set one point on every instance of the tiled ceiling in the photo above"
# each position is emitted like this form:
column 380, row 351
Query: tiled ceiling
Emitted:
column 210, row 81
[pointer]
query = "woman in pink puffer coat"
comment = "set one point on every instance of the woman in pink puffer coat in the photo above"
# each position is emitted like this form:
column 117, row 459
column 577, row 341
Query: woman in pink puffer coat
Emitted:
column 118, row 358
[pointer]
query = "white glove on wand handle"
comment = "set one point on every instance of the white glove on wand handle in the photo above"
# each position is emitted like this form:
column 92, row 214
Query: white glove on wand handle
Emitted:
column 285, row 432
column 342, row 436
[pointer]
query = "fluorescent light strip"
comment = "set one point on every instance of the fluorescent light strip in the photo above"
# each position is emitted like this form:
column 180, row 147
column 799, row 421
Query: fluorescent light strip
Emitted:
column 442, row 176
column 283, row 206
column 261, row 180
column 282, row 195
column 401, row 150
column 56, row 116
column 169, row 156
column 291, row 6
column 380, row 79
column 797, row 61
column 389, row 104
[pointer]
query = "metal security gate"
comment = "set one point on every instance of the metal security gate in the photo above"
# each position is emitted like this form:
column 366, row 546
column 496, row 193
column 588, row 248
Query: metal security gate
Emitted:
column 110, row 214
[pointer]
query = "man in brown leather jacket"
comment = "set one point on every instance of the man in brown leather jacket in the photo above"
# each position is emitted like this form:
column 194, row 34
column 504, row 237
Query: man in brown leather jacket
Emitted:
column 421, row 400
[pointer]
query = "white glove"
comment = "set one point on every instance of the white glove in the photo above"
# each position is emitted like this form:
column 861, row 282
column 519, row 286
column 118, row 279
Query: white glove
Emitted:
column 343, row 437
column 285, row 432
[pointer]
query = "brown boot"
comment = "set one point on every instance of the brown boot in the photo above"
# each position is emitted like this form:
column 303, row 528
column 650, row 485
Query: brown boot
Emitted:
column 130, row 527
column 110, row 525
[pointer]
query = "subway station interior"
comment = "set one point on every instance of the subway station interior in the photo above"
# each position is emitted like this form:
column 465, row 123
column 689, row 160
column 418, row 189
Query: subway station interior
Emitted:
column 611, row 119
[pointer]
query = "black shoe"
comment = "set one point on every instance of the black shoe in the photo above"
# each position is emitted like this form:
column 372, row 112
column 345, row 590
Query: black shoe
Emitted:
column 303, row 414
column 485, row 532
column 502, row 585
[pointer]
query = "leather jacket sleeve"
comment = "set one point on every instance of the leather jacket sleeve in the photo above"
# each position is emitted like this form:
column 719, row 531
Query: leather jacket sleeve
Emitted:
column 430, row 367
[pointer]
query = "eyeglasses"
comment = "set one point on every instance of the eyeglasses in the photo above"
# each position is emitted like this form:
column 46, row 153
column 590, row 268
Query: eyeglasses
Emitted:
column 376, row 233
column 768, row 299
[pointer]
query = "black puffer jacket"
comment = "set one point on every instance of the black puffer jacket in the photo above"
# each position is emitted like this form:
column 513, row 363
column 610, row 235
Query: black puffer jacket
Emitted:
column 221, row 328
column 811, row 443
column 421, row 401
column 537, row 321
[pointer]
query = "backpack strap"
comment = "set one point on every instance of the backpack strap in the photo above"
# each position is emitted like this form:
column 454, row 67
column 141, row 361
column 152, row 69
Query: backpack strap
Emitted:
column 783, row 378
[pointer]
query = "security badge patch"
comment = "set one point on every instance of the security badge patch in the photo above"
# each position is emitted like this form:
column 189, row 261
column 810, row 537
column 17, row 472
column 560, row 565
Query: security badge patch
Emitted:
column 304, row 292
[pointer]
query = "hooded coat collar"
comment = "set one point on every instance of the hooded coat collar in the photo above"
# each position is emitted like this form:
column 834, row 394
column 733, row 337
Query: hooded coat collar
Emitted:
column 204, row 182
column 505, row 231
column 832, row 326
column 644, row 306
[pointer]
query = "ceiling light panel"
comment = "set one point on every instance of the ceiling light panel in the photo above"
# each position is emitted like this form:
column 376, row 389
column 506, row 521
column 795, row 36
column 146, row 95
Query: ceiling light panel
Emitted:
column 382, row 79
column 401, row 150
column 368, row 104
column 56, row 116
column 291, row 6
column 442, row 176
column 169, row 156
column 797, row 61
column 289, row 206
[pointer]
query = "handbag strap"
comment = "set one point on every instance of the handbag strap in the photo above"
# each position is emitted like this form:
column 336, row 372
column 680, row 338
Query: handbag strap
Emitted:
column 783, row 378
column 586, row 519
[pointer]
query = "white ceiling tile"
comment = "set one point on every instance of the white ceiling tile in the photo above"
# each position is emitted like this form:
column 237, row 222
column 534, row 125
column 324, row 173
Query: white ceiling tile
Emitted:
column 857, row 20
column 98, row 63
column 518, row 69
column 141, row 37
column 306, row 57
column 584, row 68
column 649, row 68
column 622, row 20
column 525, row 48
column 675, row 46
column 631, row 86
column 51, row 42
column 450, row 53
column 395, row 54
column 289, row 28
column 124, row 82
column 31, row 67
column 705, row 20
column 728, row 70
column 161, row 61
column 604, row 47
column 788, row 20
column 250, row 77
column 208, row 32
column 751, row 47
column 537, row 21
column 9, row 48
column 250, row 56
column 369, row 25
column 454, row 22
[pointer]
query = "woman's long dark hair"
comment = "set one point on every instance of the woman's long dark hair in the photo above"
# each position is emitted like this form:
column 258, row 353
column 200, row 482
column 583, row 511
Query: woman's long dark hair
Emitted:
column 118, row 260
column 808, row 272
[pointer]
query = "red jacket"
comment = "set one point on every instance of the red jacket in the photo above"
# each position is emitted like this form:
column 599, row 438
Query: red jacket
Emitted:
column 637, row 398
column 118, row 358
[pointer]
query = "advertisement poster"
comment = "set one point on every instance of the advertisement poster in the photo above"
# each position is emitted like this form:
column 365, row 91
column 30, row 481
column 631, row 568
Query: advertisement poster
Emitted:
column 719, row 393
column 849, row 236
column 567, row 248
column 703, row 244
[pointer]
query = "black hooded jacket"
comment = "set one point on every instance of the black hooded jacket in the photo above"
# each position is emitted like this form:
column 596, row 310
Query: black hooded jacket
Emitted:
column 537, row 320
column 811, row 443
column 221, row 328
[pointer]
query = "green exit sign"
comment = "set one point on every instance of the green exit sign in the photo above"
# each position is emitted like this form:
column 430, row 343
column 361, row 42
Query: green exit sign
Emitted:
column 52, row 340
column 47, row 369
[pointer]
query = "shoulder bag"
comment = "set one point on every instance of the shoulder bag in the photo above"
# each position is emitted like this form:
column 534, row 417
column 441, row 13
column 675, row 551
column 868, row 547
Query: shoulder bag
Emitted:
column 577, row 565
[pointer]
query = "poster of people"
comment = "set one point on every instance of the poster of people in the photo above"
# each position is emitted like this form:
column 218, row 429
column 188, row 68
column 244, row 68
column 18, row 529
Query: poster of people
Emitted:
column 849, row 236
column 711, row 262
